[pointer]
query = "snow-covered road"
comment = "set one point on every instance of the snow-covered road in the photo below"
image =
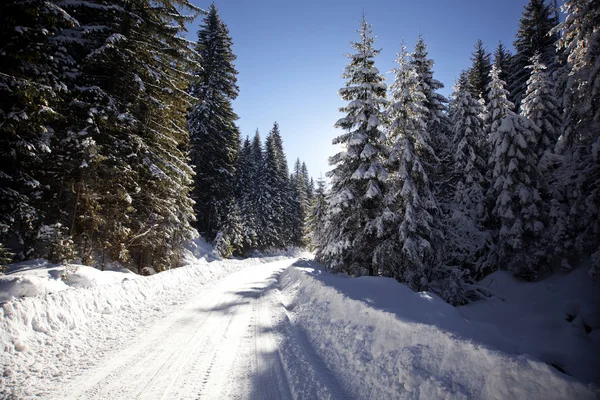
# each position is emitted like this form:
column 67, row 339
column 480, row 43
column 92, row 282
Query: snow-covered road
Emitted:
column 222, row 344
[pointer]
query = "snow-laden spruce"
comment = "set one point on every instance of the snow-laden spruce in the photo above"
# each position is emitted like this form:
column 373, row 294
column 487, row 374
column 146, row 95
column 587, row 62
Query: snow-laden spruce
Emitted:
column 466, row 237
column 580, row 141
column 358, row 175
column 534, row 36
column 211, row 121
column 413, row 250
column 517, row 212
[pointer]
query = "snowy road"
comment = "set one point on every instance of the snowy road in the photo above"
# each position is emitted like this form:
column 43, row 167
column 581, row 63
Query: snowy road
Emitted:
column 223, row 344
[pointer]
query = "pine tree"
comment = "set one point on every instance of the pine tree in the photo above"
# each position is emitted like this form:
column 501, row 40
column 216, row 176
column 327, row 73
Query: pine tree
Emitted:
column 32, row 93
column 317, row 216
column 416, row 244
column 358, row 175
column 466, row 236
column 517, row 214
column 503, row 62
column 245, row 192
column 541, row 107
column 299, row 182
column 213, row 133
column 580, row 142
column 275, row 194
column 479, row 72
column 128, row 194
column 436, row 105
column 534, row 36
column 498, row 106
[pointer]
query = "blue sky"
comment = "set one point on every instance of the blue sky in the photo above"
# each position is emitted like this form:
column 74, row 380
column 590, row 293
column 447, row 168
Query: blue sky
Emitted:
column 290, row 56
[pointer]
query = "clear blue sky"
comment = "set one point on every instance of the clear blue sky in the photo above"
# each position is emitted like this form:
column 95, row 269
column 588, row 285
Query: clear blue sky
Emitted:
column 290, row 56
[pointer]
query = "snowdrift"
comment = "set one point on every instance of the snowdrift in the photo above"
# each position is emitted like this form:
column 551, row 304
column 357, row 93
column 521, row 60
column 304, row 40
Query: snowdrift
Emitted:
column 384, row 341
column 53, row 337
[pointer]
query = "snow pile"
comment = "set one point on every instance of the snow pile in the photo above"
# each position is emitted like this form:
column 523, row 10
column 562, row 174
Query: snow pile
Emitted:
column 52, row 338
column 381, row 340
column 38, row 277
column 556, row 320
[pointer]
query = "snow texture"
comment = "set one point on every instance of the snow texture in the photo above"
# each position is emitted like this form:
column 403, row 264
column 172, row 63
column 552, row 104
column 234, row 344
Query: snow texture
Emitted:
column 383, row 341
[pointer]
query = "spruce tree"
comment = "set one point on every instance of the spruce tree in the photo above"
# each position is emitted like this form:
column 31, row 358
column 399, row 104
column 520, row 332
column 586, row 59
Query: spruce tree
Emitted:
column 128, row 194
column 436, row 104
column 580, row 142
column 245, row 192
column 479, row 72
column 466, row 236
column 541, row 107
column 517, row 214
column 534, row 36
column 214, row 136
column 498, row 106
column 33, row 64
column 358, row 175
column 416, row 244
column 275, row 202
column 317, row 216
column 503, row 62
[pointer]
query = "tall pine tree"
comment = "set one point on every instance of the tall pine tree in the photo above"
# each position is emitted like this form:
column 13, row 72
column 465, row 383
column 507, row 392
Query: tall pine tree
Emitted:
column 358, row 174
column 534, row 36
column 214, row 136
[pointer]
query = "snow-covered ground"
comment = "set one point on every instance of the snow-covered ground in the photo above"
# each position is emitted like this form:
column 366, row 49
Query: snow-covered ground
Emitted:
column 381, row 340
column 280, row 328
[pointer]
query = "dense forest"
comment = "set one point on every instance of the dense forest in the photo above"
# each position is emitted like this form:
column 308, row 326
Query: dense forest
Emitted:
column 505, row 174
column 118, row 141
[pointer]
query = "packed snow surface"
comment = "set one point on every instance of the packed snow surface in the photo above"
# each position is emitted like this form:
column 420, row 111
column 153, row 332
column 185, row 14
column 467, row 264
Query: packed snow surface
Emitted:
column 280, row 328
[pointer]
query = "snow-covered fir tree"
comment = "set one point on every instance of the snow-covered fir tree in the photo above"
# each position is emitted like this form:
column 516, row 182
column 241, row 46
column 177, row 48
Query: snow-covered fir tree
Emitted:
column 274, row 203
column 246, row 182
column 580, row 142
column 317, row 216
column 497, row 105
column 466, row 236
column 517, row 214
column 541, row 106
column 503, row 62
column 214, row 136
column 358, row 175
column 32, row 90
column 533, row 37
column 299, row 181
column 436, row 105
column 479, row 72
column 413, row 251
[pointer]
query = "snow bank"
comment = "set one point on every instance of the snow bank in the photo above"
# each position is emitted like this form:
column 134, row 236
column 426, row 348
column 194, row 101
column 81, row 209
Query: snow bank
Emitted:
column 382, row 340
column 54, row 337
column 38, row 277
column 557, row 320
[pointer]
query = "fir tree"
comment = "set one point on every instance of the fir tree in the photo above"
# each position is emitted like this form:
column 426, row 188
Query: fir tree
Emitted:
column 534, row 36
column 245, row 193
column 213, row 133
column 358, row 175
column 580, row 142
column 541, row 107
column 416, row 244
column 317, row 216
column 517, row 214
column 32, row 93
column 503, row 62
column 498, row 106
column 466, row 237
column 436, row 105
column 479, row 72
column 128, row 193
column 275, row 194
